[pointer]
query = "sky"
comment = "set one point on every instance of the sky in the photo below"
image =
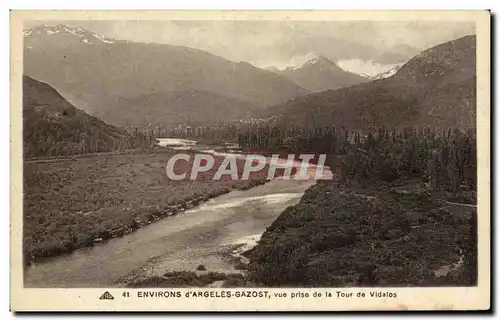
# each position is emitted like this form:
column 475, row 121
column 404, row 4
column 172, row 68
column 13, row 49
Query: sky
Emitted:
column 276, row 43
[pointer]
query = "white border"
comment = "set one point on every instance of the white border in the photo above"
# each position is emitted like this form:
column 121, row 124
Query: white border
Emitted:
column 187, row 4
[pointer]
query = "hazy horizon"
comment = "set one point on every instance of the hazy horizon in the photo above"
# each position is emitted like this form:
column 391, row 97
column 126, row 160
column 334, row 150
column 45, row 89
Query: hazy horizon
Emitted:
column 279, row 43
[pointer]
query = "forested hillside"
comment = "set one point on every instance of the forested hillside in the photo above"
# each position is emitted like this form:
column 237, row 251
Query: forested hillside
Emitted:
column 53, row 127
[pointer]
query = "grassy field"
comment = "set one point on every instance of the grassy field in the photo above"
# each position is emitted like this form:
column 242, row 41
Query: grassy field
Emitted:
column 75, row 202
column 361, row 234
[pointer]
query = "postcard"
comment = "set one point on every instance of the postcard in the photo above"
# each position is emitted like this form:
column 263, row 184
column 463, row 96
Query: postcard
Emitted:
column 250, row 160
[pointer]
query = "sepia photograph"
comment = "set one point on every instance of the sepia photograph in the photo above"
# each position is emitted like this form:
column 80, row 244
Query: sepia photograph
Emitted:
column 279, row 154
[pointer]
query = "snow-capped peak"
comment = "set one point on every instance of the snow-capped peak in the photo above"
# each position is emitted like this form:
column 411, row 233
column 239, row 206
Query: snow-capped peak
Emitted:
column 369, row 69
column 296, row 62
column 86, row 36
column 388, row 73
column 61, row 28
column 104, row 38
column 320, row 61
column 317, row 60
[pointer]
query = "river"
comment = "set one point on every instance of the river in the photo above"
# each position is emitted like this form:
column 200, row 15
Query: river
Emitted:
column 206, row 234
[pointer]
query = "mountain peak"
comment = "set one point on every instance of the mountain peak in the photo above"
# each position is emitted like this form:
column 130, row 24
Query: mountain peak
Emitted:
column 320, row 74
column 321, row 63
column 319, row 60
column 85, row 35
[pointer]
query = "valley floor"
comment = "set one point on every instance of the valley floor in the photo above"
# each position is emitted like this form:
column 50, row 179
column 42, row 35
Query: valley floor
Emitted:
column 346, row 235
column 340, row 234
column 71, row 203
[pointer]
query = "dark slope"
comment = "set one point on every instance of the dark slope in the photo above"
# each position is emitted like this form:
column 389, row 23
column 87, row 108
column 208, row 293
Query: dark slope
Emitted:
column 180, row 107
column 52, row 126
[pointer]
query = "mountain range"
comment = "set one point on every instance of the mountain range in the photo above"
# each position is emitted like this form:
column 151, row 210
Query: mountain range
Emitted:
column 96, row 72
column 131, row 83
column 336, row 49
column 435, row 88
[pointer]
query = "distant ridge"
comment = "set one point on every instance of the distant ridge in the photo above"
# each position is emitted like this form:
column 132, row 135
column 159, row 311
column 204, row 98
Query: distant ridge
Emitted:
column 179, row 107
column 435, row 88
column 95, row 72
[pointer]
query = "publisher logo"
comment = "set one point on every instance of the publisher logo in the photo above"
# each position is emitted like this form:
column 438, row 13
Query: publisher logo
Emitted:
column 106, row 296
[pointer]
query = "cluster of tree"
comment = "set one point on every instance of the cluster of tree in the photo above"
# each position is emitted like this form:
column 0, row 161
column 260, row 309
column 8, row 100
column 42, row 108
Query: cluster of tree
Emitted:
column 54, row 139
column 219, row 132
column 446, row 158
column 295, row 138
column 265, row 135
column 143, row 139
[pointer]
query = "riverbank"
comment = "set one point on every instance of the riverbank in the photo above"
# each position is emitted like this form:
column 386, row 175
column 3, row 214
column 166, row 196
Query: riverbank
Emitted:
column 77, row 202
column 234, row 274
column 368, row 234
column 202, row 275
